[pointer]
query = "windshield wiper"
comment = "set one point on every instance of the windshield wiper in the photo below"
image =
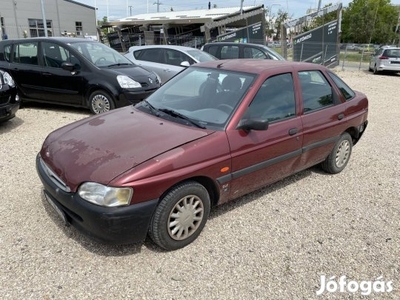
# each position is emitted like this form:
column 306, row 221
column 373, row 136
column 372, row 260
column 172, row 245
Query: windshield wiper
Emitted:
column 119, row 64
column 152, row 109
column 181, row 116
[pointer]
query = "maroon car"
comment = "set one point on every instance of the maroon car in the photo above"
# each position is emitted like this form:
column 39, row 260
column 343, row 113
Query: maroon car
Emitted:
column 214, row 132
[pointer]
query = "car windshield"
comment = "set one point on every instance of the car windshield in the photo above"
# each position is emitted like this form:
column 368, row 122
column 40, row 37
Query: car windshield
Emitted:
column 199, row 97
column 100, row 54
column 201, row 56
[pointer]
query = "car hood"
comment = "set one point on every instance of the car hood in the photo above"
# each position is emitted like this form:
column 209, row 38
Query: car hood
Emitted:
column 102, row 147
column 136, row 72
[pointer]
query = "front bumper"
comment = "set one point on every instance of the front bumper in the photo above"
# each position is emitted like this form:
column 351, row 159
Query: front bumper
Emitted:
column 131, row 97
column 111, row 225
column 8, row 111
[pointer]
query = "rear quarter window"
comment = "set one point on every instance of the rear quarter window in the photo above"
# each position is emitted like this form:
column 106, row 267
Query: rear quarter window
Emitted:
column 346, row 91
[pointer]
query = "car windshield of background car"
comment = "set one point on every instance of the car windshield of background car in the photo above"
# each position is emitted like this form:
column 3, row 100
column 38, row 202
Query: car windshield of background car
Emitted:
column 101, row 55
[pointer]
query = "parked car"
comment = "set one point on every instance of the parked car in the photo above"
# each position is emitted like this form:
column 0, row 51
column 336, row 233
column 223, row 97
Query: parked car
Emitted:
column 216, row 131
column 230, row 50
column 366, row 48
column 386, row 58
column 9, row 99
column 166, row 60
column 75, row 72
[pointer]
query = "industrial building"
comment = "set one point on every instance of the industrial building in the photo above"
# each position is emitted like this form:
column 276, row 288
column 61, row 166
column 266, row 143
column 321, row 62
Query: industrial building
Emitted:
column 24, row 18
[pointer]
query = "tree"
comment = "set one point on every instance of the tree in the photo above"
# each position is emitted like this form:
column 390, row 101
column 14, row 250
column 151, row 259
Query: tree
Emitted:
column 282, row 17
column 369, row 21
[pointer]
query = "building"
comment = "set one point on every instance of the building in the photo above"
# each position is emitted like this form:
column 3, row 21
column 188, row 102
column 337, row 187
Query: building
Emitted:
column 187, row 28
column 24, row 18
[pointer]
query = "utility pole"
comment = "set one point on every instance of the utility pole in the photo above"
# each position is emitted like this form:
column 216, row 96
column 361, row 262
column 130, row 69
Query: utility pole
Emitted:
column 44, row 18
column 158, row 3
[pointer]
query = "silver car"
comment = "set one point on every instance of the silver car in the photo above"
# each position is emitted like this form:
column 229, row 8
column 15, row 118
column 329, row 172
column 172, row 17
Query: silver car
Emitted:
column 386, row 58
column 166, row 60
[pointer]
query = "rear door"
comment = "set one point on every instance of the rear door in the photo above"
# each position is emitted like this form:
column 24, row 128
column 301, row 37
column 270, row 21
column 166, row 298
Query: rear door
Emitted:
column 263, row 157
column 323, row 116
column 26, row 69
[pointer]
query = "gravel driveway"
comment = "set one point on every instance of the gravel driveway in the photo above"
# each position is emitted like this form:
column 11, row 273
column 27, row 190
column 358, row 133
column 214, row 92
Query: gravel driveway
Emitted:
column 272, row 244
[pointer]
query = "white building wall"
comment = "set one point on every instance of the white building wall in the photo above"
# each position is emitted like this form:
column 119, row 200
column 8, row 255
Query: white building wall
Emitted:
column 62, row 13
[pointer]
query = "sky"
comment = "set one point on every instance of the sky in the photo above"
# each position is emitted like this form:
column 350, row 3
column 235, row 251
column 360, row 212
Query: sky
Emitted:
column 118, row 9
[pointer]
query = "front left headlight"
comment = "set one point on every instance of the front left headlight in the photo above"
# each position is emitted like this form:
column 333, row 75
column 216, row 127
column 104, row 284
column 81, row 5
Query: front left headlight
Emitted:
column 102, row 195
column 127, row 83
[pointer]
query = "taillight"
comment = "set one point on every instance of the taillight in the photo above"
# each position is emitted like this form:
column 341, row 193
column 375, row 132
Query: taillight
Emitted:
column 383, row 57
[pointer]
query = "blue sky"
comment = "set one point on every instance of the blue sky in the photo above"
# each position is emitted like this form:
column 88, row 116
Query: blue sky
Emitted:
column 117, row 9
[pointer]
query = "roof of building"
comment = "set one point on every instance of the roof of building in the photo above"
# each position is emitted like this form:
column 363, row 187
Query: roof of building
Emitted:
column 190, row 16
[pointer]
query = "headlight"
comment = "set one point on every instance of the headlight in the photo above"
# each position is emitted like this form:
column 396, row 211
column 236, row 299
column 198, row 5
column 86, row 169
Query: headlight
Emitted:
column 8, row 79
column 128, row 83
column 105, row 196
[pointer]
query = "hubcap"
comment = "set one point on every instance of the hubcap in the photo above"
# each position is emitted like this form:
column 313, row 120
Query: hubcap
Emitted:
column 342, row 153
column 100, row 104
column 185, row 217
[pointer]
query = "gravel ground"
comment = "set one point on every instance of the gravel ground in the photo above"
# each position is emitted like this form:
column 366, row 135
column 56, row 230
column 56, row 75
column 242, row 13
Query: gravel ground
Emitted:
column 272, row 244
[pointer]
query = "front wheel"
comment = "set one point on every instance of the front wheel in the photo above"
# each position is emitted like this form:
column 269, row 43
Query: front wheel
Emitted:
column 180, row 216
column 340, row 155
column 100, row 101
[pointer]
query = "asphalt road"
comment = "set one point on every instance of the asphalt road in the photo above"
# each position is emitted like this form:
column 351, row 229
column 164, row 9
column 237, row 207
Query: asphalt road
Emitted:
column 276, row 243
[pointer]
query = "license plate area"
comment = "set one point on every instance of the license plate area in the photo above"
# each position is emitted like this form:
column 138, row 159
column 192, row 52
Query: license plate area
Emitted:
column 59, row 212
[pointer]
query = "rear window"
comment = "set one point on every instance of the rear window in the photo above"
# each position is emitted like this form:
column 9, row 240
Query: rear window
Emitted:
column 392, row 53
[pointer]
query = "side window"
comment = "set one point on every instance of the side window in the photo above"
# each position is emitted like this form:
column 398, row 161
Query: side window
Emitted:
column 249, row 52
column 346, row 91
column 54, row 55
column 7, row 53
column 229, row 52
column 316, row 91
column 26, row 53
column 213, row 50
column 175, row 58
column 154, row 55
column 274, row 100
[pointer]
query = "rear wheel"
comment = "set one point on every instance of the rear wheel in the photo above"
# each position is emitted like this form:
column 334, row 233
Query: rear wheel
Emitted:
column 100, row 101
column 180, row 216
column 340, row 155
column 375, row 70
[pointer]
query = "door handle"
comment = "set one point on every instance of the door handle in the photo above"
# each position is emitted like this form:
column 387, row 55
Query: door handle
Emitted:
column 340, row 116
column 292, row 131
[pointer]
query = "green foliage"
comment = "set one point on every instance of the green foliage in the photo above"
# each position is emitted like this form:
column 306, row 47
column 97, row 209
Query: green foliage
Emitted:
column 369, row 21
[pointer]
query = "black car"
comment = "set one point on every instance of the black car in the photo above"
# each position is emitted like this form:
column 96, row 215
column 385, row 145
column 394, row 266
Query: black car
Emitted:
column 9, row 99
column 76, row 72
column 232, row 50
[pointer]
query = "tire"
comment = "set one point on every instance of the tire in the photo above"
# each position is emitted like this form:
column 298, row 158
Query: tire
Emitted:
column 186, row 206
column 340, row 155
column 375, row 70
column 100, row 102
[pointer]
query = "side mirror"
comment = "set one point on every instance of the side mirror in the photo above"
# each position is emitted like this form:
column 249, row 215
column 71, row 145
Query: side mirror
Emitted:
column 253, row 124
column 68, row 66
column 185, row 64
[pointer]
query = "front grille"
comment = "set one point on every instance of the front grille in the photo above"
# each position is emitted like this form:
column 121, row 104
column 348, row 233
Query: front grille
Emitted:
column 5, row 99
column 53, row 177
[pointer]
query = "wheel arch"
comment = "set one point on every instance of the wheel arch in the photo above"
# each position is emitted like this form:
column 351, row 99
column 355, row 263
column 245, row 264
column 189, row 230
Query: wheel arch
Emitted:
column 93, row 87
column 356, row 133
column 209, row 184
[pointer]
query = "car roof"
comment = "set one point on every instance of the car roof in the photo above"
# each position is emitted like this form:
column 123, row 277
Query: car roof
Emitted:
column 174, row 47
column 66, row 40
column 259, row 66
column 234, row 43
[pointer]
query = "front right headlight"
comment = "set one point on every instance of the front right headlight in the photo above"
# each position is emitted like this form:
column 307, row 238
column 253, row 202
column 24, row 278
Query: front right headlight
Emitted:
column 102, row 195
column 7, row 78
